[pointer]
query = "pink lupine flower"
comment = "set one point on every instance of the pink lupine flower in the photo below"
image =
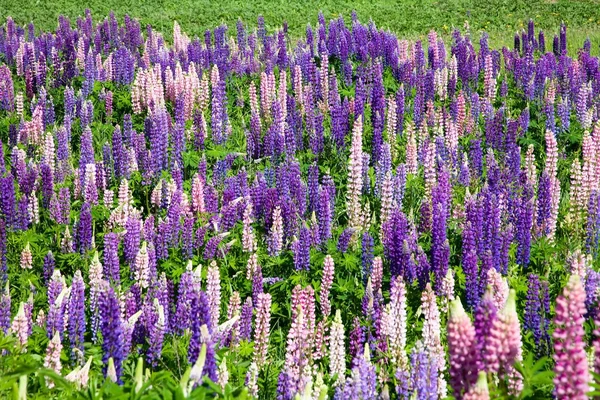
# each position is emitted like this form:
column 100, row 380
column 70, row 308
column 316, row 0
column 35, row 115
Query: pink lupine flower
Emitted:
column 396, row 327
column 480, row 391
column 572, row 378
column 20, row 326
column 275, row 239
column 251, row 266
column 80, row 376
column 326, row 282
column 248, row 240
column 213, row 292
column 197, row 195
column 462, row 349
column 503, row 347
column 355, row 179
column 52, row 360
column 142, row 267
column 498, row 287
column 337, row 350
column 412, row 163
column 431, row 333
column 26, row 257
column 261, row 333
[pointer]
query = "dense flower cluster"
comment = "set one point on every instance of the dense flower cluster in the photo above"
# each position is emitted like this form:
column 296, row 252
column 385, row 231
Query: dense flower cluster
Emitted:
column 202, row 206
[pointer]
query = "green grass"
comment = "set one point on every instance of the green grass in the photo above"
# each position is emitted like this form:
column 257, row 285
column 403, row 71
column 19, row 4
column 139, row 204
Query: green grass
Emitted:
column 409, row 18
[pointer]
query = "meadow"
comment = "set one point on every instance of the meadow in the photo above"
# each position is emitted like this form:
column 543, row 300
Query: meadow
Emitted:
column 268, row 202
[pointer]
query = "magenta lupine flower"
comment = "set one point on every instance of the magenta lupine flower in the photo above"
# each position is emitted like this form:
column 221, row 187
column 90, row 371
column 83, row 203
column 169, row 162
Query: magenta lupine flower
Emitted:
column 462, row 350
column 572, row 378
column 261, row 333
column 326, row 282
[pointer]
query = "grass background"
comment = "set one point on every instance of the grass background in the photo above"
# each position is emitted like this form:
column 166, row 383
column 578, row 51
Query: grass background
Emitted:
column 408, row 18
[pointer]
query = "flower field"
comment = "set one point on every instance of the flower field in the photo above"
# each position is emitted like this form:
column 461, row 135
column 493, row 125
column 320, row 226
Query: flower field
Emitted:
column 251, row 214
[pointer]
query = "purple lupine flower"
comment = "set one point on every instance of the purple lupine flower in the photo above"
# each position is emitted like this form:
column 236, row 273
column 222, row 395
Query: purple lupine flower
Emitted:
column 470, row 267
column 200, row 315
column 424, row 375
column 49, row 265
column 111, row 257
column 301, row 249
column 84, row 229
column 533, row 309
column 485, row 314
column 246, row 320
column 524, row 221
column 47, row 185
column 131, row 241
column 76, row 316
column 112, row 330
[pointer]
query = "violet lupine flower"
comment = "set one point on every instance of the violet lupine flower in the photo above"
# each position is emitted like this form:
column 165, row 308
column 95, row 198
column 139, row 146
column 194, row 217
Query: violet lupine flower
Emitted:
column 257, row 283
column 301, row 249
column 131, row 241
column 535, row 313
column 344, row 239
column 156, row 334
column 325, row 214
column 84, row 229
column 5, row 304
column 524, row 221
column 462, row 349
column 485, row 315
column 76, row 316
column 572, row 378
column 200, row 315
column 424, row 373
column 261, row 333
column 49, row 265
column 326, row 282
column 246, row 319
column 112, row 330
column 111, row 257
column 367, row 255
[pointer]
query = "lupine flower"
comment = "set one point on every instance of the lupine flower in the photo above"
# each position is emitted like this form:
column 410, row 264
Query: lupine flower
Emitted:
column 503, row 348
column 462, row 350
column 52, row 360
column 337, row 351
column 213, row 293
column 76, row 314
column 479, row 391
column 431, row 334
column 20, row 326
column 326, row 281
column 261, row 333
column 572, row 377
column 26, row 257
column 112, row 332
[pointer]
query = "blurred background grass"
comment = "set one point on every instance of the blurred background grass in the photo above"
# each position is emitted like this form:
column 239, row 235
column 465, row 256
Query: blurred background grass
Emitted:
column 408, row 18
